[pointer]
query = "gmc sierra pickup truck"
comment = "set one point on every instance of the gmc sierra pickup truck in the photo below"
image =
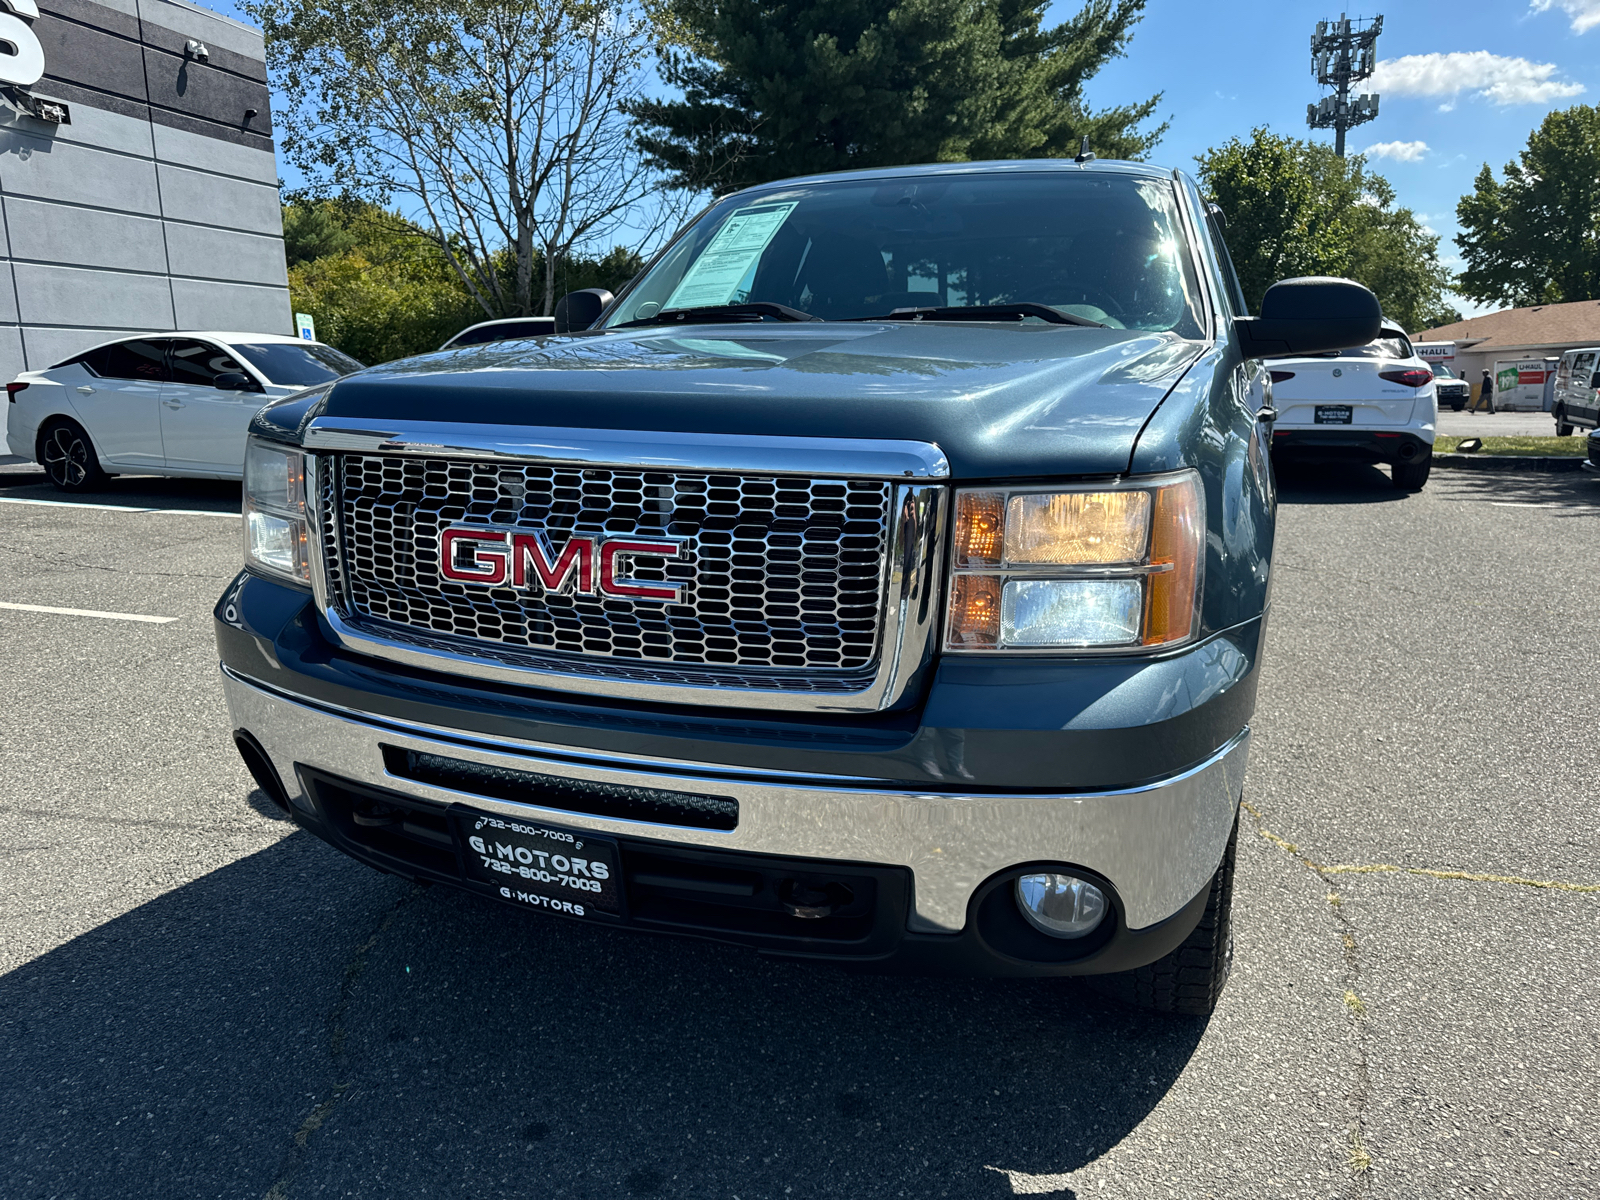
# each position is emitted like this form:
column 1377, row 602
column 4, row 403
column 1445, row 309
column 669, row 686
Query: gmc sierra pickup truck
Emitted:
column 879, row 579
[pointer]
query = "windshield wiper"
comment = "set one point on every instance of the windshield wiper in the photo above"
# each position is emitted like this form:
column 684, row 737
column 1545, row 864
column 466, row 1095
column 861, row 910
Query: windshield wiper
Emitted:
column 988, row 312
column 714, row 313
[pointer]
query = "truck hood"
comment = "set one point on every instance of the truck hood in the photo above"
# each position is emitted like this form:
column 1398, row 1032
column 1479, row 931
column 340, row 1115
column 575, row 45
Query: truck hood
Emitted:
column 999, row 400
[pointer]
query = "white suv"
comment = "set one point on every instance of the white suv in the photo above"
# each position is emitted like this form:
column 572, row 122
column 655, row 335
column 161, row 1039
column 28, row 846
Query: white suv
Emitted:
column 1372, row 404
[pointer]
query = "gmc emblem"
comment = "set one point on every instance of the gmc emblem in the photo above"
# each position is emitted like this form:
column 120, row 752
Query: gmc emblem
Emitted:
column 584, row 565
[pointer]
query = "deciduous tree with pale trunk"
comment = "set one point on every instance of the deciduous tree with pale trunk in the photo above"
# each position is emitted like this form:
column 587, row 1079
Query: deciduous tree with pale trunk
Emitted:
column 496, row 125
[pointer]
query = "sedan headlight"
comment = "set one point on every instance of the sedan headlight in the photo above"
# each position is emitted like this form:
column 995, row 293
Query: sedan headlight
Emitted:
column 1096, row 567
column 275, row 535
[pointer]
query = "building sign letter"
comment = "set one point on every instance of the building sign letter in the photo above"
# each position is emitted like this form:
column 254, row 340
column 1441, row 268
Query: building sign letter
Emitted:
column 21, row 56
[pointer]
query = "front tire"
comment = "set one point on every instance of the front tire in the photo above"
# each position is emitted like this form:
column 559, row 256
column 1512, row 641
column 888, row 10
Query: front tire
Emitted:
column 1563, row 429
column 1190, row 979
column 69, row 459
column 1412, row 476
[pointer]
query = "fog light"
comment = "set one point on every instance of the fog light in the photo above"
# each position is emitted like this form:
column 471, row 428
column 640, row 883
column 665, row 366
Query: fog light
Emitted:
column 1063, row 906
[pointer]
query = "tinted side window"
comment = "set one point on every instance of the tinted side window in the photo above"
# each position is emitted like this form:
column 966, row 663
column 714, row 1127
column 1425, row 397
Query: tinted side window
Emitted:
column 139, row 359
column 1229, row 276
column 199, row 362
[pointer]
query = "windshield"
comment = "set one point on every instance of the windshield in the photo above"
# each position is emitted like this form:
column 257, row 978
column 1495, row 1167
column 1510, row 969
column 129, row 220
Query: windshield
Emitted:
column 298, row 364
column 502, row 331
column 1440, row 371
column 1108, row 248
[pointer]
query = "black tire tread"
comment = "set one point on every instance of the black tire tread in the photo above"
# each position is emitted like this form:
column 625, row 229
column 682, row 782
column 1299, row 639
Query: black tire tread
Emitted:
column 1412, row 477
column 1190, row 979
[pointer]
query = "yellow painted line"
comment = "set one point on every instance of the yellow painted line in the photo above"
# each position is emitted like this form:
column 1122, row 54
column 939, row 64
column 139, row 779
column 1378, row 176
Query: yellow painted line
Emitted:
column 86, row 612
column 1559, row 885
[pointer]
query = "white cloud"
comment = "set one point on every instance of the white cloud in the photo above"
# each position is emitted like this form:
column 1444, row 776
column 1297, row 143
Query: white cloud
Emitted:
column 1492, row 76
column 1585, row 14
column 1399, row 151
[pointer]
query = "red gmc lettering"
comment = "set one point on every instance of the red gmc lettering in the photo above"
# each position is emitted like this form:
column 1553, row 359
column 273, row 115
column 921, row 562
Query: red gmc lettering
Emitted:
column 494, row 558
column 576, row 557
column 488, row 566
column 611, row 585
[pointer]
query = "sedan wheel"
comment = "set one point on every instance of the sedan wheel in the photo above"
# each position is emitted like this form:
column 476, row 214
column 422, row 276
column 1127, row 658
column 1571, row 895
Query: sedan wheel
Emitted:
column 69, row 460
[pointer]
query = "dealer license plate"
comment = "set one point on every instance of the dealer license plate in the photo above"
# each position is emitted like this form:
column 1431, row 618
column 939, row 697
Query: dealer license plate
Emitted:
column 1333, row 414
column 528, row 862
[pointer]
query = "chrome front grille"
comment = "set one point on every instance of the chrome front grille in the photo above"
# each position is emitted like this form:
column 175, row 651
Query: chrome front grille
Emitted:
column 782, row 577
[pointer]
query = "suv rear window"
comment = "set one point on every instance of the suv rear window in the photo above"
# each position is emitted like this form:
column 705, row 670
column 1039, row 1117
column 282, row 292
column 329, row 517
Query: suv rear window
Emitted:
column 1396, row 346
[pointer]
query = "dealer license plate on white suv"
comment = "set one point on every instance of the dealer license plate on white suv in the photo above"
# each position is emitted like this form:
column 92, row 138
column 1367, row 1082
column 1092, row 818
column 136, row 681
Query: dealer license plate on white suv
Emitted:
column 1333, row 414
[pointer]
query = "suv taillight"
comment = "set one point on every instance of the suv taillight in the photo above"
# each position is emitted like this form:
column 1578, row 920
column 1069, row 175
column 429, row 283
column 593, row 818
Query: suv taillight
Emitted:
column 12, row 389
column 1409, row 376
column 1280, row 376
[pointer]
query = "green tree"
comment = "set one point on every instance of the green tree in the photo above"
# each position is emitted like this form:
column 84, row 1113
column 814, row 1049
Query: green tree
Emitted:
column 496, row 124
column 773, row 88
column 1535, row 239
column 1294, row 207
column 380, row 288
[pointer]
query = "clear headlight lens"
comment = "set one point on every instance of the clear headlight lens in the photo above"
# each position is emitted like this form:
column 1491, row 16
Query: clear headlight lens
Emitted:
column 276, row 539
column 1070, row 612
column 1077, row 568
column 1078, row 527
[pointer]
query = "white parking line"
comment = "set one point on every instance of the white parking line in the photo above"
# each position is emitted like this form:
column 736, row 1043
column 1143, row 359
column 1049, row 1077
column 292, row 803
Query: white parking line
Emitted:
column 180, row 512
column 87, row 612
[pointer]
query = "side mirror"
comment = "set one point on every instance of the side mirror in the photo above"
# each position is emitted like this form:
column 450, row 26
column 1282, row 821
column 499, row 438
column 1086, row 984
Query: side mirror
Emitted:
column 580, row 310
column 1595, row 382
column 1308, row 316
column 234, row 381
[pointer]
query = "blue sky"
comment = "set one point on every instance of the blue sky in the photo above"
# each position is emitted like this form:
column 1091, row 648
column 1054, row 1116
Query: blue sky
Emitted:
column 1468, row 79
column 1463, row 82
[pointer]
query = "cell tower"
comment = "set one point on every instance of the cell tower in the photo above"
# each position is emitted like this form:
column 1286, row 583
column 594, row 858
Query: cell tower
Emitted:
column 1343, row 52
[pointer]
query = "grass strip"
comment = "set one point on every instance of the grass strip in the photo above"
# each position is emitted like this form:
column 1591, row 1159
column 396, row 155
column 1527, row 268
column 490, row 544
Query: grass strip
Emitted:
column 1521, row 447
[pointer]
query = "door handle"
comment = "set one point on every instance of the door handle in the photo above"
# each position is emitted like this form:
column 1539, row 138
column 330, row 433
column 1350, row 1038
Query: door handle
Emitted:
column 86, row 390
column 173, row 404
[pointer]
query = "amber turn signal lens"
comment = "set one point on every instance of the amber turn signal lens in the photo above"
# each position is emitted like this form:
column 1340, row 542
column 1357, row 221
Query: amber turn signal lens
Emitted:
column 975, row 613
column 1177, row 539
column 980, row 528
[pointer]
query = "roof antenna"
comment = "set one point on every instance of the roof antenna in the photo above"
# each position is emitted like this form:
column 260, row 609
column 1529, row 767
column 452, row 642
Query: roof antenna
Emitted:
column 1084, row 153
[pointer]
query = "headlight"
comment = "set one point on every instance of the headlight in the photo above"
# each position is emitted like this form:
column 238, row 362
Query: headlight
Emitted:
column 275, row 534
column 1096, row 567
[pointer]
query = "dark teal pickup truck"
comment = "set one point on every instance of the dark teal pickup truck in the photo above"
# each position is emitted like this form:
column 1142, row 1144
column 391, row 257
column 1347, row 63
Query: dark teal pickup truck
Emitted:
column 880, row 579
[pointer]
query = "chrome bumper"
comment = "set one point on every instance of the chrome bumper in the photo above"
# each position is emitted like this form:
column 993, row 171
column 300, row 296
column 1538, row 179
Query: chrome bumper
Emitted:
column 1158, row 844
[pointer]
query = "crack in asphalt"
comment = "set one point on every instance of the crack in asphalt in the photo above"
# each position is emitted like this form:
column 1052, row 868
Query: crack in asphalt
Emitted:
column 1359, row 1159
column 294, row 1158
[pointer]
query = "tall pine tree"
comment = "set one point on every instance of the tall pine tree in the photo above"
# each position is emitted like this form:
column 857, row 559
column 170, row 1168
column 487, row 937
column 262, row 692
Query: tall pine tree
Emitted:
column 775, row 88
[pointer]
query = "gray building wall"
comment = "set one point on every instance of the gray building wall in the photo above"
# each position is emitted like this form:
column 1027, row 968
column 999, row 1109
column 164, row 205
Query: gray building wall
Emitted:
column 157, row 207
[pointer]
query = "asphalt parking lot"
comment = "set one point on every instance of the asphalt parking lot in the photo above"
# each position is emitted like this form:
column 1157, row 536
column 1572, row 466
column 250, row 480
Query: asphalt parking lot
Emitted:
column 195, row 1000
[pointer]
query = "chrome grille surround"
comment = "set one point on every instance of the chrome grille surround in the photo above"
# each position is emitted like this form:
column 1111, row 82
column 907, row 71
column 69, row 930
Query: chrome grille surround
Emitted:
column 774, row 527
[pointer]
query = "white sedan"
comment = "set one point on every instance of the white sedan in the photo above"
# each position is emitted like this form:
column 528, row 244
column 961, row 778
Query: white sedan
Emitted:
column 160, row 404
column 1371, row 404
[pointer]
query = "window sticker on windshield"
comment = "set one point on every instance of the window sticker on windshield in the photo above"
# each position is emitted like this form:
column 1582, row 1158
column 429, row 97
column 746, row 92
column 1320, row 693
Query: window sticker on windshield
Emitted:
column 723, row 264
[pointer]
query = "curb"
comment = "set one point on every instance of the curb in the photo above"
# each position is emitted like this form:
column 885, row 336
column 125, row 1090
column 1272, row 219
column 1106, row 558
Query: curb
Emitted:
column 1508, row 462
